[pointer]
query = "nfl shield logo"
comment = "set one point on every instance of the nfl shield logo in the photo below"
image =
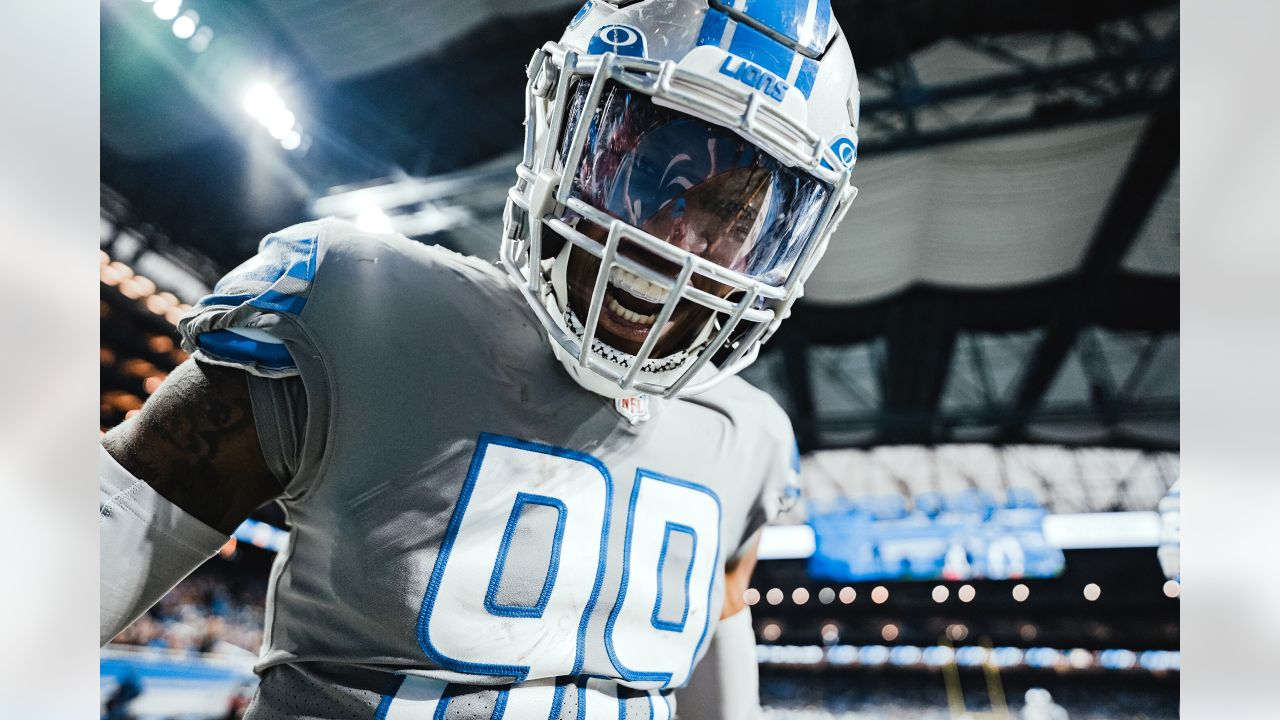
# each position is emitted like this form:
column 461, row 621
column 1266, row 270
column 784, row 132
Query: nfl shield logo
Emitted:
column 635, row 408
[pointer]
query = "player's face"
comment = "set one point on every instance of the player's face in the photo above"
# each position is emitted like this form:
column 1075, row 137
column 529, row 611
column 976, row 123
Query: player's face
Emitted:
column 712, row 220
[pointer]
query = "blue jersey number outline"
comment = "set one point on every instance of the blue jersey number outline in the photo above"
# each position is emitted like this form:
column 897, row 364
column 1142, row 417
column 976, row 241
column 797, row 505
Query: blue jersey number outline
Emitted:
column 520, row 672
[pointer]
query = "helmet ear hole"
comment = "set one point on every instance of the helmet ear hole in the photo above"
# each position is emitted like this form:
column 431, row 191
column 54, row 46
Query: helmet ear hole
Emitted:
column 552, row 242
column 742, row 330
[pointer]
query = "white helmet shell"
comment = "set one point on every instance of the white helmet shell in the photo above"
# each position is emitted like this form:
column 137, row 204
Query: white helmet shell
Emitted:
column 777, row 73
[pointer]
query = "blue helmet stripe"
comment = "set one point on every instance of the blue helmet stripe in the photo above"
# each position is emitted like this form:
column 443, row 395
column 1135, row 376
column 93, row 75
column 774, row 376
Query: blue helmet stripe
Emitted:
column 762, row 50
column 792, row 19
column 713, row 27
column 822, row 24
column 808, row 73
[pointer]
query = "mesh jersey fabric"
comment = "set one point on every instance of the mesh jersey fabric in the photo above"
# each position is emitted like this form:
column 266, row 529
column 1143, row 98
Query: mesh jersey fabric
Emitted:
column 441, row 468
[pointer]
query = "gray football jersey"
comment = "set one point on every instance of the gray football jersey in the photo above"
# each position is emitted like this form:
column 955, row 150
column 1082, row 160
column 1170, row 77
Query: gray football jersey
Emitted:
column 472, row 533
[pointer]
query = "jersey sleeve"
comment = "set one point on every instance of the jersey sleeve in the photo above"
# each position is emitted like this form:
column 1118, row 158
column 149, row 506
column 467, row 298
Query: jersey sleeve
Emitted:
column 239, row 323
column 253, row 321
column 780, row 486
column 280, row 417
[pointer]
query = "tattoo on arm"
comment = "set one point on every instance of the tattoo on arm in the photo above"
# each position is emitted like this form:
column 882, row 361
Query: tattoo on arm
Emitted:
column 196, row 444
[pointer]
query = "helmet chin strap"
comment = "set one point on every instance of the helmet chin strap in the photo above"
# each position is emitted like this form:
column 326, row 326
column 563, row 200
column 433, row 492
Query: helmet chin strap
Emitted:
column 661, row 370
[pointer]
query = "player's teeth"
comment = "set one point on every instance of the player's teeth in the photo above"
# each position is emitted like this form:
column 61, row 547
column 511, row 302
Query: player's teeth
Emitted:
column 634, row 317
column 636, row 285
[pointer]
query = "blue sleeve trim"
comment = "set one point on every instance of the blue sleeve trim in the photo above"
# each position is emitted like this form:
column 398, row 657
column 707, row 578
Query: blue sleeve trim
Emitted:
column 228, row 345
column 297, row 261
column 278, row 278
column 232, row 300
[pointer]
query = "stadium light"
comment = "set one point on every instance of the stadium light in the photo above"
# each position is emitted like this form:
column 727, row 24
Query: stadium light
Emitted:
column 137, row 287
column 200, row 41
column 264, row 103
column 826, row 596
column 848, row 595
column 957, row 632
column 941, row 593
column 889, row 632
column 1155, row 661
column 278, row 122
column 166, row 9
column 261, row 99
column 1021, row 592
column 1079, row 658
column 185, row 26
column 774, row 596
column 751, row 596
column 879, row 594
column 1092, row 592
column 830, row 634
column 160, row 303
column 772, row 632
column 966, row 593
column 374, row 220
column 160, row 344
column 114, row 272
column 1172, row 589
column 800, row 596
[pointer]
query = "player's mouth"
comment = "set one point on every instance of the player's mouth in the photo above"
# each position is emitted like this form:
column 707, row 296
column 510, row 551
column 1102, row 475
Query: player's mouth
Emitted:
column 631, row 306
column 630, row 309
column 633, row 300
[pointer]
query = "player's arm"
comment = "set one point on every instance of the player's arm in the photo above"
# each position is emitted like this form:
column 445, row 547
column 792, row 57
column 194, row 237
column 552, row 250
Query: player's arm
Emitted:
column 726, row 683
column 737, row 579
column 175, row 482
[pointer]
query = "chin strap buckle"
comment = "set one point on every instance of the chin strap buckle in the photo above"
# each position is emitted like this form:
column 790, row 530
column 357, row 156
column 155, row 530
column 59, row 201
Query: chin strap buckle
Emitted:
column 542, row 195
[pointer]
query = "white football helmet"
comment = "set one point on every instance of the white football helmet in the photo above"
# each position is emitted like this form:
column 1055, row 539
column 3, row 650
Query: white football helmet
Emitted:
column 685, row 163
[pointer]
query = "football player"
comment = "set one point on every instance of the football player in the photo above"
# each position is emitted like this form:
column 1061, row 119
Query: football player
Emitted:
column 531, row 490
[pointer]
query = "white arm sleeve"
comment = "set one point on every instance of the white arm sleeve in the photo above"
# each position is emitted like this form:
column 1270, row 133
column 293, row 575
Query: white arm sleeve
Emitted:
column 148, row 544
column 726, row 683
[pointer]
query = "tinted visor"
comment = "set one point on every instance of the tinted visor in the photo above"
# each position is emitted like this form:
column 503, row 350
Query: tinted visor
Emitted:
column 696, row 185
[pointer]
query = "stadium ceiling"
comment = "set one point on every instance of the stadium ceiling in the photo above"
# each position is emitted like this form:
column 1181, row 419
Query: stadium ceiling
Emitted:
column 1008, row 275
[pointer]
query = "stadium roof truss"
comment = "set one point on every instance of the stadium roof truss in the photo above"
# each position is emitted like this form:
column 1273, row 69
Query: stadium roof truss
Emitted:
column 1079, row 349
column 976, row 86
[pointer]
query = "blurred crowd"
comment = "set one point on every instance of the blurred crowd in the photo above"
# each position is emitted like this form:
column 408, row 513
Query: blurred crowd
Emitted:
column 201, row 615
column 922, row 696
